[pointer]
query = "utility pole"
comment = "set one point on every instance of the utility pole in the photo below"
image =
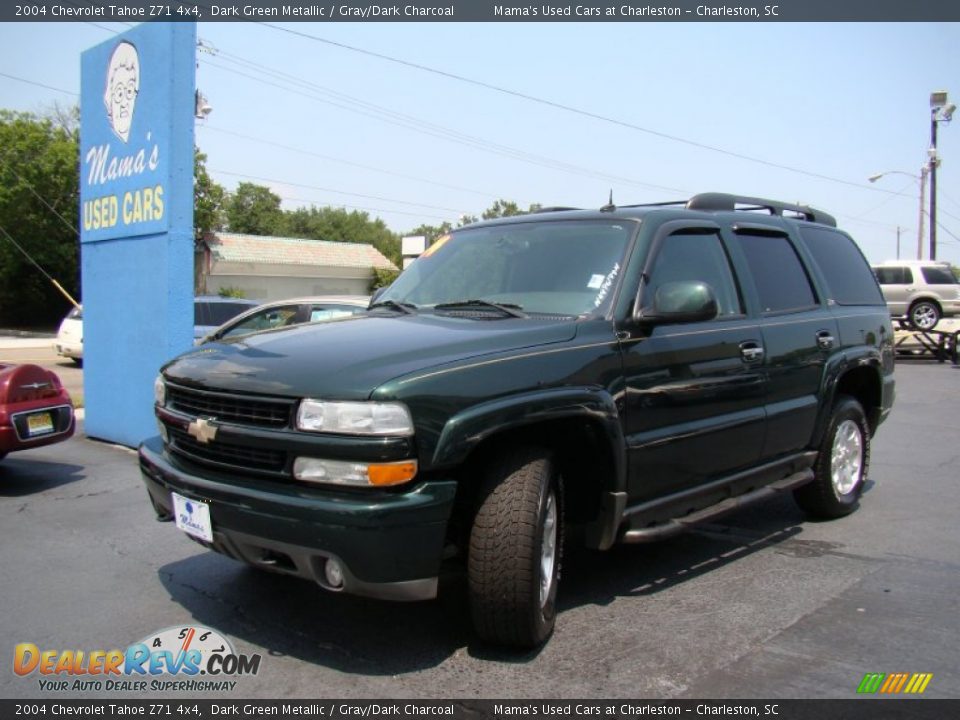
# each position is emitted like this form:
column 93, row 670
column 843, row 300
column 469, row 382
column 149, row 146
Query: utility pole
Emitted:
column 933, row 183
column 923, row 191
column 898, row 241
column 940, row 111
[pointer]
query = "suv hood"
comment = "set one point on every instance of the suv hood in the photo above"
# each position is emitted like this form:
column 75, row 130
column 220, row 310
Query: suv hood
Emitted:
column 349, row 359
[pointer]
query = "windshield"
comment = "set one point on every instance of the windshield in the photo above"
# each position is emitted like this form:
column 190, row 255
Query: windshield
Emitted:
column 560, row 268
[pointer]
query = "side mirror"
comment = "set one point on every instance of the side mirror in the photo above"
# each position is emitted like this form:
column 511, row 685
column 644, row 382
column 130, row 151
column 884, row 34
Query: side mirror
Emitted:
column 685, row 301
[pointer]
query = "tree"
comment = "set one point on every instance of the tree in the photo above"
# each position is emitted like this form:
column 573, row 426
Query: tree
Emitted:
column 253, row 209
column 208, row 197
column 39, row 179
column 500, row 208
column 340, row 225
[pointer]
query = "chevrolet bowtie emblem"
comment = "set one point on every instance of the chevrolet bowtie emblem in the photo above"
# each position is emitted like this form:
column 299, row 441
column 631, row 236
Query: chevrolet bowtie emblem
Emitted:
column 203, row 430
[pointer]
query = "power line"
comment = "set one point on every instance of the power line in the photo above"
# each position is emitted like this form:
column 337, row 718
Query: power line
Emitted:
column 303, row 151
column 339, row 192
column 568, row 108
column 899, row 193
column 30, row 187
column 39, row 84
column 360, row 207
column 367, row 109
column 57, row 285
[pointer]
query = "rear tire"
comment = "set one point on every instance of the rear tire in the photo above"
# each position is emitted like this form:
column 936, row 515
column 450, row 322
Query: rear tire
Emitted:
column 841, row 466
column 515, row 550
column 924, row 315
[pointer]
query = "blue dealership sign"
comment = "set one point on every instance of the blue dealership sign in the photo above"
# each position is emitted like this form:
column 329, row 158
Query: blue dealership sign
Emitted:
column 136, row 220
column 125, row 151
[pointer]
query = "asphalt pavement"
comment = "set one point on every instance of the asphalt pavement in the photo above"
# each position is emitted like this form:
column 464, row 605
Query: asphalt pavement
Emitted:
column 763, row 604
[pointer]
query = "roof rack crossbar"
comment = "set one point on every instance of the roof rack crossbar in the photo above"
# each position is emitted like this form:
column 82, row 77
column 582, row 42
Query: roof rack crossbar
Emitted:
column 725, row 201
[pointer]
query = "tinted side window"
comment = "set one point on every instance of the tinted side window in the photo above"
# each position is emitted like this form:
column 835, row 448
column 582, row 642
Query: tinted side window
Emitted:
column 780, row 277
column 696, row 256
column 892, row 275
column 938, row 276
column 898, row 276
column 849, row 280
column 200, row 313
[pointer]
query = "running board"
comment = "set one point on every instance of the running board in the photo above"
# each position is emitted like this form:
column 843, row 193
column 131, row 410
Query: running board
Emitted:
column 678, row 525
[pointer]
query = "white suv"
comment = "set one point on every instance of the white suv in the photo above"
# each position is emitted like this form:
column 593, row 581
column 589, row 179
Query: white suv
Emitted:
column 919, row 291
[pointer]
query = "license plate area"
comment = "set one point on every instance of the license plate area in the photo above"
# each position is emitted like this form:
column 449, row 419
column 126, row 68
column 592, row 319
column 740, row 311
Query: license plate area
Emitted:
column 193, row 517
column 39, row 424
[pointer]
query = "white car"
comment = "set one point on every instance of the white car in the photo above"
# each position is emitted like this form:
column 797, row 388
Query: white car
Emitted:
column 69, row 342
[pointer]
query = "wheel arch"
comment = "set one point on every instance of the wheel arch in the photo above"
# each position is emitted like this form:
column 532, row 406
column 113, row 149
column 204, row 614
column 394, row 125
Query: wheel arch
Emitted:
column 861, row 379
column 581, row 429
column 932, row 299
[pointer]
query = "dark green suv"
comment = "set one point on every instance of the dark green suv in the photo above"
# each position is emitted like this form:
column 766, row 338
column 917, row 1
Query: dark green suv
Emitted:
column 592, row 376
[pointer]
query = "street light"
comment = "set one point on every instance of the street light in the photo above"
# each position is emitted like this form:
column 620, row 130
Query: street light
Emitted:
column 940, row 111
column 922, row 179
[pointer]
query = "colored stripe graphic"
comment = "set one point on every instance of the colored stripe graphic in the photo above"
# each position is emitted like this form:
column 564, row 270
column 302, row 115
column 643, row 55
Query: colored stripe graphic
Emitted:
column 895, row 683
column 870, row 683
column 918, row 683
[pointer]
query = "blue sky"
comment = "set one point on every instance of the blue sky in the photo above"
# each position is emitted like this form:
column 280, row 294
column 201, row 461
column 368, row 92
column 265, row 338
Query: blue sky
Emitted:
column 838, row 100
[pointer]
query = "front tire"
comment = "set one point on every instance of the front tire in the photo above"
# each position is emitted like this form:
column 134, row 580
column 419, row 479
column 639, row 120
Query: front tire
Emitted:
column 841, row 466
column 924, row 315
column 515, row 550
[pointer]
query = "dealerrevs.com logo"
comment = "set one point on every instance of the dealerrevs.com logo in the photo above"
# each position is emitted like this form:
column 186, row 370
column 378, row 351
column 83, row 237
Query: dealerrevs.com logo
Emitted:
column 188, row 659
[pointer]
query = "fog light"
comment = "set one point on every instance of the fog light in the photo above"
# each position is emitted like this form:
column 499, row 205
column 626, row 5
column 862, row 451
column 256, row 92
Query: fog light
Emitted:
column 163, row 431
column 339, row 472
column 333, row 573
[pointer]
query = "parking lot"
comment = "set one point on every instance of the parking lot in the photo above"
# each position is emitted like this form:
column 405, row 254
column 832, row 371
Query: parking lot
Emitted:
column 761, row 604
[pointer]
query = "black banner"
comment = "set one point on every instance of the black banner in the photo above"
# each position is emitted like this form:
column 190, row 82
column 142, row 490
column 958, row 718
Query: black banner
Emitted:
column 195, row 709
column 481, row 11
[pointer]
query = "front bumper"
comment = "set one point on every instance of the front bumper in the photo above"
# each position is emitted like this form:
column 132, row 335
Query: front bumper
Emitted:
column 389, row 544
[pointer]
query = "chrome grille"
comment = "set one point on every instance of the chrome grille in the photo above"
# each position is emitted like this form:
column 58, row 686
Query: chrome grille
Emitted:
column 242, row 457
column 229, row 407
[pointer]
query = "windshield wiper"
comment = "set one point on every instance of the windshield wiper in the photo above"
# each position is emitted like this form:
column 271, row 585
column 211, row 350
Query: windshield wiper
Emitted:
column 511, row 309
column 404, row 307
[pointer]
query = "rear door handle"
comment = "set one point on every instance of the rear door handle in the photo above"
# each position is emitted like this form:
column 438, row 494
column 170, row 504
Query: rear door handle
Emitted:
column 751, row 352
column 825, row 340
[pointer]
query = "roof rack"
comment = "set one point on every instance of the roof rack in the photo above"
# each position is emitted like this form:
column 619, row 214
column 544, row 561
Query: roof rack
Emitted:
column 554, row 208
column 725, row 201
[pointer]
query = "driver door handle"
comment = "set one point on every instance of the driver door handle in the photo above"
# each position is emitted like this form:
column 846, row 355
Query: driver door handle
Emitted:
column 751, row 352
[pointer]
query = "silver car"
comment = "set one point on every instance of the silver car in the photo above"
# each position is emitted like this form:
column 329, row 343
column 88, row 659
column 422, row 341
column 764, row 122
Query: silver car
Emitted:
column 294, row 311
column 919, row 292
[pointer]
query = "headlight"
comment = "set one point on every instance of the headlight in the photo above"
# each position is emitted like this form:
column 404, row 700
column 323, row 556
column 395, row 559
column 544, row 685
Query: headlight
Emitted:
column 354, row 418
column 159, row 391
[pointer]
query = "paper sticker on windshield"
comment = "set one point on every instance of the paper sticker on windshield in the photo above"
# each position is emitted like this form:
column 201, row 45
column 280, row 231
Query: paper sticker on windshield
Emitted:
column 596, row 281
column 437, row 244
column 606, row 285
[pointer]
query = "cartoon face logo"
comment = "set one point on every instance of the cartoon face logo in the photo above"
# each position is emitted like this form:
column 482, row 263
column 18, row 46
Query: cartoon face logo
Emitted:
column 123, row 84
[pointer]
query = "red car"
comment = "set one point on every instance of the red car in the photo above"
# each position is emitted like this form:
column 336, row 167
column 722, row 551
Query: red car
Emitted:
column 35, row 409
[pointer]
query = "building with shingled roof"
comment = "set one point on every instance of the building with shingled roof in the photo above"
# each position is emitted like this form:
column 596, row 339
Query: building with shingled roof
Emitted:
column 274, row 268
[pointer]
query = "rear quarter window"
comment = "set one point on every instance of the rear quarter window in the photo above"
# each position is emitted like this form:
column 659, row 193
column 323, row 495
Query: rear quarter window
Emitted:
column 850, row 281
column 938, row 276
